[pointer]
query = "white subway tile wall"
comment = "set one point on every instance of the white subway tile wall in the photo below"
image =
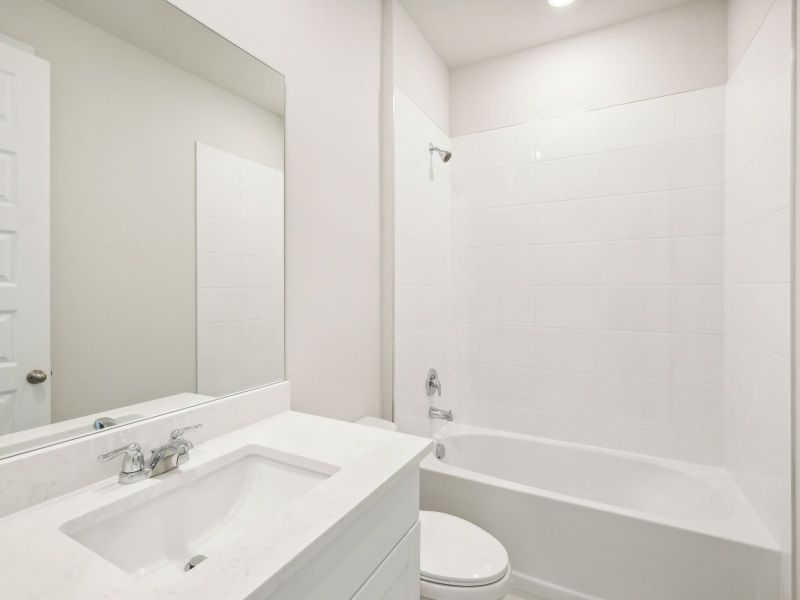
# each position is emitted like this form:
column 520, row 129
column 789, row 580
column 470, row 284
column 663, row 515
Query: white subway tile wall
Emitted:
column 239, row 273
column 757, row 255
column 586, row 296
column 422, row 263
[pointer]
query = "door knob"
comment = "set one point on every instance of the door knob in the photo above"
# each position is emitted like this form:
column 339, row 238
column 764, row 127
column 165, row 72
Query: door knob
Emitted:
column 36, row 376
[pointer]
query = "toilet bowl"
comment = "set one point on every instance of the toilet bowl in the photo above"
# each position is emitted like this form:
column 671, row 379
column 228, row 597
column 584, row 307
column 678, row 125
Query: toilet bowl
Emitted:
column 458, row 560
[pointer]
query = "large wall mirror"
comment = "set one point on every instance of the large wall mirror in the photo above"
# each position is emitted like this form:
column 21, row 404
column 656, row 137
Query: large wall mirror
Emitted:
column 141, row 217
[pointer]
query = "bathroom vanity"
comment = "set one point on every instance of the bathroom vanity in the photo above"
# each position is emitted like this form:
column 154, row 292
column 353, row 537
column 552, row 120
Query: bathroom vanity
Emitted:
column 293, row 506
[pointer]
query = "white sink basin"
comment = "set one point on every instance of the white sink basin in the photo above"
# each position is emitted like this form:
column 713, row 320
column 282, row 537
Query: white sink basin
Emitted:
column 197, row 511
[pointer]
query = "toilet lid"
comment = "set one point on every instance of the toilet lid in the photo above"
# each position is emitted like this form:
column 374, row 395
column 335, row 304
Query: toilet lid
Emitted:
column 456, row 552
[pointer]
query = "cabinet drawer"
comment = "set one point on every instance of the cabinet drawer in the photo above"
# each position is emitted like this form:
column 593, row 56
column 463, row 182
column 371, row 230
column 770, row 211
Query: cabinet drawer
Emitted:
column 397, row 577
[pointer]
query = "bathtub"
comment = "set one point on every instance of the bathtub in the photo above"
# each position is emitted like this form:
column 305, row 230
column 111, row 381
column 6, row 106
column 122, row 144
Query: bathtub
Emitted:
column 586, row 523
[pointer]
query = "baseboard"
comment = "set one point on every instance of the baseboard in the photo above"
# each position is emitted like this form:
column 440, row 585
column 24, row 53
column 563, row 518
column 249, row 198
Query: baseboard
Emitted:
column 548, row 590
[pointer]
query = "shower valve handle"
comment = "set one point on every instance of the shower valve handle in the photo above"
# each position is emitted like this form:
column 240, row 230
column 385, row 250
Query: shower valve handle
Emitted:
column 432, row 383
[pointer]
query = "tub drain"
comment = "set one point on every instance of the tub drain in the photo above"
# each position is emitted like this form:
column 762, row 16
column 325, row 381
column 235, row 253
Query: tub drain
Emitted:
column 193, row 562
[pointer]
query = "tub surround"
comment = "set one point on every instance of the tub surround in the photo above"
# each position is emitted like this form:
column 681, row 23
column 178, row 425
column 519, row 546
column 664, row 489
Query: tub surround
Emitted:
column 758, row 272
column 374, row 483
column 586, row 252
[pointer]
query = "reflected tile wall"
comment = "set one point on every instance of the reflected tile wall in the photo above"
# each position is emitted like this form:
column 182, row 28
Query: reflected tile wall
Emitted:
column 239, row 273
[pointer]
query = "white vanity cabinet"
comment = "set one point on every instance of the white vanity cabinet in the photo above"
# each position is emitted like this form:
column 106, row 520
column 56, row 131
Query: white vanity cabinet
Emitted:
column 375, row 556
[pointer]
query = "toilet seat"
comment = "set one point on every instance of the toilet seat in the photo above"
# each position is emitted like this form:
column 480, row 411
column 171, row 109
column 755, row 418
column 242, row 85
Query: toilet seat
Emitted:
column 456, row 553
column 493, row 591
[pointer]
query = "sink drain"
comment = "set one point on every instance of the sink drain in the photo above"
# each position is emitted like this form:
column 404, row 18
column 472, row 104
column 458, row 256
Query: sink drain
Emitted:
column 193, row 562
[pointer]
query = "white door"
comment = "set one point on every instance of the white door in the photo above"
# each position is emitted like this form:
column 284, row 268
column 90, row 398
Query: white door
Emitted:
column 24, row 238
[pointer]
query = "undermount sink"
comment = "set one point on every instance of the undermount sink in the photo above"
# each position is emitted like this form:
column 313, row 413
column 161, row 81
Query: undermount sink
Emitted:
column 196, row 512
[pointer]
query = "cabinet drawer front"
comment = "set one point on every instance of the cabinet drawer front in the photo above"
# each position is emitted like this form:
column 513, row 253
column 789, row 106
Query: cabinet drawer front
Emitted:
column 397, row 577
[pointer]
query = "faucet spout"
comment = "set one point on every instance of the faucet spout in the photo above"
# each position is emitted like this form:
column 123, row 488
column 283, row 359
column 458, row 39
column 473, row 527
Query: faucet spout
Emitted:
column 156, row 458
column 172, row 454
column 440, row 413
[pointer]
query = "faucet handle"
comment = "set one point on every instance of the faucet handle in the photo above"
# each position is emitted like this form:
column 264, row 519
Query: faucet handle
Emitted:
column 432, row 383
column 178, row 433
column 130, row 449
column 133, row 461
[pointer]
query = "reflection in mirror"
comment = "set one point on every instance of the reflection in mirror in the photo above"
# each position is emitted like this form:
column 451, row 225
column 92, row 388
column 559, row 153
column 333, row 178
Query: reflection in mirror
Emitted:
column 141, row 217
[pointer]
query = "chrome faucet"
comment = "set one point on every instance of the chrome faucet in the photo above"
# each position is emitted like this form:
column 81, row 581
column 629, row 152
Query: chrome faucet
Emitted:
column 162, row 459
column 434, row 386
column 172, row 454
column 440, row 413
column 432, row 383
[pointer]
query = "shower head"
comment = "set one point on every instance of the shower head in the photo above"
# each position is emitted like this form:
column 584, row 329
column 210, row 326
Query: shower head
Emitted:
column 445, row 155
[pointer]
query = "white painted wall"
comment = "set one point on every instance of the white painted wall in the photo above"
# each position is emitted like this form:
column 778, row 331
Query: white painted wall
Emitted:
column 669, row 52
column 744, row 20
column 757, row 269
column 418, row 71
column 330, row 53
column 587, row 266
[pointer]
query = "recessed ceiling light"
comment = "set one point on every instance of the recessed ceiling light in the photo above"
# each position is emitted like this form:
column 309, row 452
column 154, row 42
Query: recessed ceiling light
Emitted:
column 560, row 3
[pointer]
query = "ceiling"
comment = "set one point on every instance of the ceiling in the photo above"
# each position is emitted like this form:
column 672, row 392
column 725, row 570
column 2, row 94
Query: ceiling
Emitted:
column 468, row 31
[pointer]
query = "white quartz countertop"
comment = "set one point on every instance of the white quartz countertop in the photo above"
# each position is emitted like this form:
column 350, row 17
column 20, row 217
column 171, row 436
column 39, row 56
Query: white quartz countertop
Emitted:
column 39, row 561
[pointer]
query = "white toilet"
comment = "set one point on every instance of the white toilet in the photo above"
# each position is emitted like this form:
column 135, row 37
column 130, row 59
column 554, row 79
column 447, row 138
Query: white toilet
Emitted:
column 458, row 560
